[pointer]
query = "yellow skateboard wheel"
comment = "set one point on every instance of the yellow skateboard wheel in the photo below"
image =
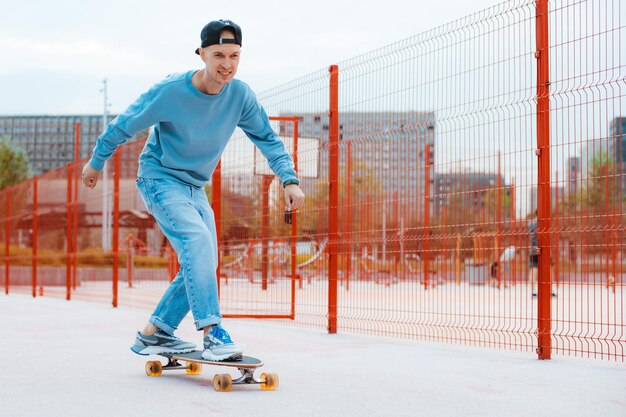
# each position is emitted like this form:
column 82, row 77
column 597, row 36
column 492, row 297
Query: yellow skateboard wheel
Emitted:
column 154, row 368
column 270, row 382
column 222, row 382
column 194, row 368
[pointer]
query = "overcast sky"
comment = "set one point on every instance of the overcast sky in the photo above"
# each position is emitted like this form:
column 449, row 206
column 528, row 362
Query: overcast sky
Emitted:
column 54, row 54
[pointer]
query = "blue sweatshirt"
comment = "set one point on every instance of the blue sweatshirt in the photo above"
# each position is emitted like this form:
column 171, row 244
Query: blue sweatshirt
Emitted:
column 191, row 130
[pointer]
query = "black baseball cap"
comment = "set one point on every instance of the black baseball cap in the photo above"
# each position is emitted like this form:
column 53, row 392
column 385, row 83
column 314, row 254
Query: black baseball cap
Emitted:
column 210, row 34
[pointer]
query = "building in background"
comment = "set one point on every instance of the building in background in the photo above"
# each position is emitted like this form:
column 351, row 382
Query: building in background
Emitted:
column 241, row 184
column 573, row 173
column 617, row 149
column 472, row 192
column 613, row 147
column 389, row 143
column 49, row 141
column 386, row 151
column 388, row 157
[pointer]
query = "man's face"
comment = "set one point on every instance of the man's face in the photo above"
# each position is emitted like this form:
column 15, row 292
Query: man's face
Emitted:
column 221, row 60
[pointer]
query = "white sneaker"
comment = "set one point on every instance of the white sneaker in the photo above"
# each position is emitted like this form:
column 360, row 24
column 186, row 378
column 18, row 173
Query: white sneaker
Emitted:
column 219, row 347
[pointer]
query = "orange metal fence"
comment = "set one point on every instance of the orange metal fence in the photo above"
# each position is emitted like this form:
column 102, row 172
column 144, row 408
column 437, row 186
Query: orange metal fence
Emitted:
column 424, row 163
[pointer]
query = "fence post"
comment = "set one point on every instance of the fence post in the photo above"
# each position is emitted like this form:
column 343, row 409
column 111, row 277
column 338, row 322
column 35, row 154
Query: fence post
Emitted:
column 77, row 127
column 130, row 262
column 7, row 236
column 34, row 236
column 425, row 255
column 216, row 205
column 333, row 190
column 348, row 232
column 499, row 265
column 116, row 223
column 265, row 228
column 543, row 182
column 68, row 234
column 294, row 227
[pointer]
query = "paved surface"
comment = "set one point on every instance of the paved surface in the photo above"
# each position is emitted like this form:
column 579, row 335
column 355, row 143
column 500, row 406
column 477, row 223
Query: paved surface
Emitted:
column 72, row 359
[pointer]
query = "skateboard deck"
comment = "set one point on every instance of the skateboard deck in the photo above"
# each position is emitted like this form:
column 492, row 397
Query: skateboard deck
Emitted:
column 192, row 362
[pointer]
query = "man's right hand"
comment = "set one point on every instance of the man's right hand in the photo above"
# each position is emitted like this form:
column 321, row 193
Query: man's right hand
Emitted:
column 90, row 176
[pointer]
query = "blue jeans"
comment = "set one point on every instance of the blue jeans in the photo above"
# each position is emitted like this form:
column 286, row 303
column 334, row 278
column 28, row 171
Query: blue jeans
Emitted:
column 183, row 213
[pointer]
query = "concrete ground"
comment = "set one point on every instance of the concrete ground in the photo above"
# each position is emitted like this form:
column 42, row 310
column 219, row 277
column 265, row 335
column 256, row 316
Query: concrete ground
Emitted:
column 72, row 359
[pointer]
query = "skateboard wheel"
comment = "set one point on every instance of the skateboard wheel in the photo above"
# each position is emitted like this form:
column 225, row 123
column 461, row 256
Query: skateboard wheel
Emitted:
column 154, row 368
column 194, row 368
column 222, row 382
column 270, row 382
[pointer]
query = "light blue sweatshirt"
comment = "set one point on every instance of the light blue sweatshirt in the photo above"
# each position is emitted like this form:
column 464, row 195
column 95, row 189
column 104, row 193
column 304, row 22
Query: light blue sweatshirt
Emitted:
column 191, row 130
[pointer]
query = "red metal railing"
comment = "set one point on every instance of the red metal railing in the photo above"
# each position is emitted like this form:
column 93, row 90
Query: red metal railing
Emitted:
column 544, row 202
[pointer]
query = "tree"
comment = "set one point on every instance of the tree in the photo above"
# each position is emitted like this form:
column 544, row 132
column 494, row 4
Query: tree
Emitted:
column 14, row 169
column 491, row 204
column 597, row 206
column 601, row 191
column 14, row 166
column 603, row 187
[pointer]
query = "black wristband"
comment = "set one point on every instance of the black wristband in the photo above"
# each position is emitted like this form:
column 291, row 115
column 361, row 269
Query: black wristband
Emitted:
column 291, row 181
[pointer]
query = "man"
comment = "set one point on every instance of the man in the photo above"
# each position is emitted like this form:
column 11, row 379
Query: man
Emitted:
column 194, row 114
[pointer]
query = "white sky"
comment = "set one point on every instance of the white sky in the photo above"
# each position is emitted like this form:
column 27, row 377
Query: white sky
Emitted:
column 54, row 55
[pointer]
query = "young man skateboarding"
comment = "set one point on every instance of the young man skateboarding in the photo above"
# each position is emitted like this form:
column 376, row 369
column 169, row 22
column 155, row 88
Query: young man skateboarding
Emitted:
column 194, row 115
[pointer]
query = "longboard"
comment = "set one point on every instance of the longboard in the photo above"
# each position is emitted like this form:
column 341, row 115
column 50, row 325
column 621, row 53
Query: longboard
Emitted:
column 192, row 362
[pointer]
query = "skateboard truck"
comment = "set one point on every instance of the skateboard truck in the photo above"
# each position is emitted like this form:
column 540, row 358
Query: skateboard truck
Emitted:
column 247, row 377
column 173, row 364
